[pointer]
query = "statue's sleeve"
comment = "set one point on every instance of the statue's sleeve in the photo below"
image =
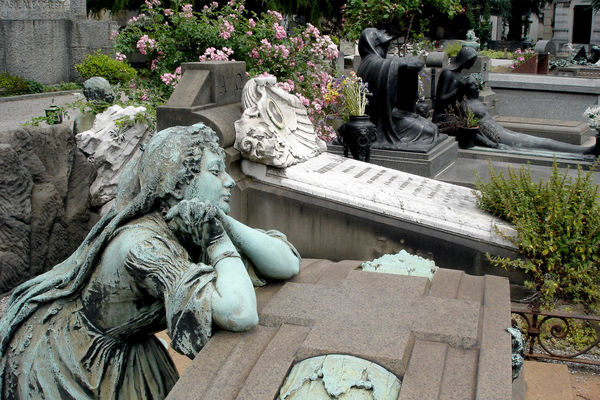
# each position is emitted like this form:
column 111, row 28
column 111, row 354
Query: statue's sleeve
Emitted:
column 162, row 267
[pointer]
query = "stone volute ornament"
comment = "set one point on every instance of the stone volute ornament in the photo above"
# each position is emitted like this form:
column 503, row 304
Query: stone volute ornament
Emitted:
column 274, row 128
column 166, row 256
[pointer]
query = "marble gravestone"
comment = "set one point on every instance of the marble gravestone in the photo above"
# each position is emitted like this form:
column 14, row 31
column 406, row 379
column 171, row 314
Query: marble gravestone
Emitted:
column 409, row 198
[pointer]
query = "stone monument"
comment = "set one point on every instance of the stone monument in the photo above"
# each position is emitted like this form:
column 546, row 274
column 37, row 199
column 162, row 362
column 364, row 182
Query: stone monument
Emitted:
column 393, row 82
column 44, row 39
column 413, row 339
column 166, row 256
column 274, row 128
column 44, row 205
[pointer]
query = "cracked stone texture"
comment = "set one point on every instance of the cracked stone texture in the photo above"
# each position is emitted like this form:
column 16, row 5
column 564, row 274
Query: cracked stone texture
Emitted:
column 44, row 185
column 438, row 338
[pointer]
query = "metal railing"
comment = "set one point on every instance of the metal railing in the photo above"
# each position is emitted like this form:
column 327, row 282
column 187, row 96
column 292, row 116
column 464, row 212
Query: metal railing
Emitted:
column 544, row 328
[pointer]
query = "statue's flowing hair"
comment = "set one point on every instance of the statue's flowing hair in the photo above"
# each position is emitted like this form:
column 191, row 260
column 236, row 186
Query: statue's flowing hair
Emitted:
column 167, row 164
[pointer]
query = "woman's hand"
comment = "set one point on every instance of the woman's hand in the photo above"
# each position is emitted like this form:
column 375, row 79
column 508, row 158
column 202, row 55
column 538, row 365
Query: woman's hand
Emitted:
column 196, row 221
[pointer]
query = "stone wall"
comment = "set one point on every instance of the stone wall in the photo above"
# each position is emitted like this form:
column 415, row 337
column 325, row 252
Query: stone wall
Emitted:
column 44, row 39
column 544, row 96
column 44, row 191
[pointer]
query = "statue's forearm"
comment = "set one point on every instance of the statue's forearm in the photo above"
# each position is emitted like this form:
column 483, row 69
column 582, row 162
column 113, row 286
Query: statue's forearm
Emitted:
column 272, row 257
column 234, row 300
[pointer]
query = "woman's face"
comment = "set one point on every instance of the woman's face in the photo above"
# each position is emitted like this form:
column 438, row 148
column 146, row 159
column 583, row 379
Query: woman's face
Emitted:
column 213, row 183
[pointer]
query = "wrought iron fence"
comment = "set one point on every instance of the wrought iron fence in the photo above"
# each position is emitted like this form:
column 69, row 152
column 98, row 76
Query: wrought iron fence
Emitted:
column 554, row 333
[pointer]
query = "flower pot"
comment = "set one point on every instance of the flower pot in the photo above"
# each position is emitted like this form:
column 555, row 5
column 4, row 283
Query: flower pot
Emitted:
column 54, row 115
column 466, row 137
column 357, row 135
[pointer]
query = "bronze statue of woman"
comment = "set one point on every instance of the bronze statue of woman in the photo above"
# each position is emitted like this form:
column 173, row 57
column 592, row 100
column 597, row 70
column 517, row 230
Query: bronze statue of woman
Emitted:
column 446, row 94
column 166, row 256
column 492, row 134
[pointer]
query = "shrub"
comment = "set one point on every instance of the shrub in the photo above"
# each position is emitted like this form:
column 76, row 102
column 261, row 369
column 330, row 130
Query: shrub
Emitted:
column 494, row 53
column 62, row 86
column 12, row 84
column 114, row 71
column 34, row 86
column 302, row 60
column 453, row 49
column 558, row 226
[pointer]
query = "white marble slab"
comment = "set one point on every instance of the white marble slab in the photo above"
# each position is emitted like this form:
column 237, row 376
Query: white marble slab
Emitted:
column 410, row 198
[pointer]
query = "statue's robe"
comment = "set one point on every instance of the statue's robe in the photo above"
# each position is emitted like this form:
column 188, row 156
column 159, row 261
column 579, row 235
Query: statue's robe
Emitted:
column 85, row 329
column 393, row 82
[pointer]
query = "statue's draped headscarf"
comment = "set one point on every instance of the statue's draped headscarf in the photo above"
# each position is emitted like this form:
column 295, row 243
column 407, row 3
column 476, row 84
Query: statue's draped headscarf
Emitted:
column 144, row 181
column 389, row 79
column 465, row 57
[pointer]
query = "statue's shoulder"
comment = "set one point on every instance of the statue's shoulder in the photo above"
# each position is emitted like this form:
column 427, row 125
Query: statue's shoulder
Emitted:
column 137, row 231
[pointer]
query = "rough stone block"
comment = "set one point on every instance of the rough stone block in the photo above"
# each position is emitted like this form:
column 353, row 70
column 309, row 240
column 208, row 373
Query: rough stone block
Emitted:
column 445, row 283
column 273, row 365
column 425, row 371
column 493, row 377
column 459, row 378
column 311, row 270
column 230, row 378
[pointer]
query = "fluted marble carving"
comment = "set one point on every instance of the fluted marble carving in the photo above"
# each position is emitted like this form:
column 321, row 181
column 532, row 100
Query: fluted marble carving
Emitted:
column 274, row 128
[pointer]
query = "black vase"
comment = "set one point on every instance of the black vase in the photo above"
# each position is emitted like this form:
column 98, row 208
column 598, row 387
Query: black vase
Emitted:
column 357, row 135
column 466, row 137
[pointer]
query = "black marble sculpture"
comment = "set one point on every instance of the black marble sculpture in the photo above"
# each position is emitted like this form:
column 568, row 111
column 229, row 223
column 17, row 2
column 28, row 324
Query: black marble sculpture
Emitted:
column 393, row 82
column 492, row 134
column 447, row 86
column 593, row 58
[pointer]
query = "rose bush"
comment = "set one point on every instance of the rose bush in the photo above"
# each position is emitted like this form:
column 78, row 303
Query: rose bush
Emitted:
column 301, row 61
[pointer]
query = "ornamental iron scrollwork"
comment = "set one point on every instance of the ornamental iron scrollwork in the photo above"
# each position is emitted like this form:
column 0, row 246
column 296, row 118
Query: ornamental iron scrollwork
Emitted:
column 553, row 333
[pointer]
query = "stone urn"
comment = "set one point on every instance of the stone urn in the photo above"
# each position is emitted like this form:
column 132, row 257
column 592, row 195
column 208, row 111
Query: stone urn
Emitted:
column 357, row 135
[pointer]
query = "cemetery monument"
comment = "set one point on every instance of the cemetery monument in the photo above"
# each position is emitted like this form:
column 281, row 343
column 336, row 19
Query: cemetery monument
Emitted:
column 393, row 82
column 165, row 256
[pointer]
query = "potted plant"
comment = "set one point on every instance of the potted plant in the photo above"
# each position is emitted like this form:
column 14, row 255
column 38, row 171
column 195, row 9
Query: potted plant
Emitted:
column 461, row 123
column 358, row 132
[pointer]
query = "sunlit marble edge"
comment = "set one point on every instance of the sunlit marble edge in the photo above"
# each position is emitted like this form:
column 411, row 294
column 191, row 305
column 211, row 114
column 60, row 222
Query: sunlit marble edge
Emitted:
column 470, row 222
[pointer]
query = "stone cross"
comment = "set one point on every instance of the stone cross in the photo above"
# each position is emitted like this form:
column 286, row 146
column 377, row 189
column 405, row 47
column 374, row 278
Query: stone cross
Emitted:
column 373, row 316
column 444, row 340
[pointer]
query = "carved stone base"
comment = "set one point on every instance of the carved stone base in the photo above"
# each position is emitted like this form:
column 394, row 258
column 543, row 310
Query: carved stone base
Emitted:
column 428, row 164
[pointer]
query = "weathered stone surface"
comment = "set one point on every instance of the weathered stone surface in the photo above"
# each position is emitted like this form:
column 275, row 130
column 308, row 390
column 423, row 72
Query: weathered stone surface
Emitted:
column 109, row 148
column 44, row 39
column 437, row 345
column 43, row 201
column 409, row 198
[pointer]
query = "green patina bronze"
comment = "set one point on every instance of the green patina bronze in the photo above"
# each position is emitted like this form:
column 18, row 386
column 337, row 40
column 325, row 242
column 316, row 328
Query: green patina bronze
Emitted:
column 166, row 256
column 402, row 263
column 339, row 376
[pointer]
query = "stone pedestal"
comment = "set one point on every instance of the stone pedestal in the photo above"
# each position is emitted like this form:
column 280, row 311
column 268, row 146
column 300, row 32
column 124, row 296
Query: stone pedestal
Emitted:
column 427, row 164
column 208, row 92
column 444, row 340
column 574, row 132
